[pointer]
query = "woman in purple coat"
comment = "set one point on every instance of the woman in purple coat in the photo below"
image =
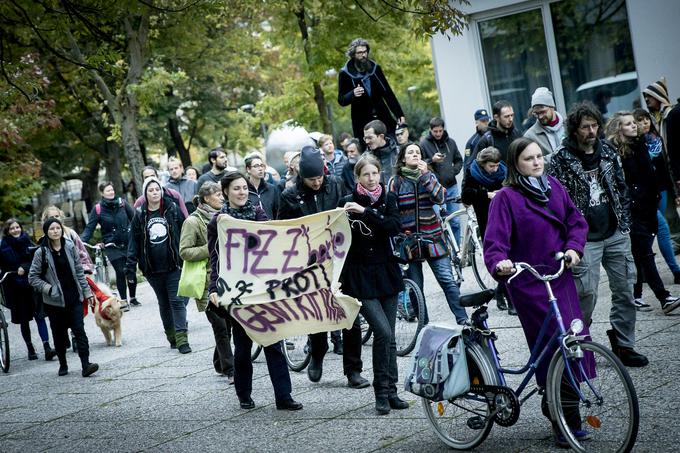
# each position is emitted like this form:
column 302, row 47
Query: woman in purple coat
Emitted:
column 531, row 219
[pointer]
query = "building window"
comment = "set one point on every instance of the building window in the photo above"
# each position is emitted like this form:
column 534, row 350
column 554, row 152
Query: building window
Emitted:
column 595, row 54
column 515, row 59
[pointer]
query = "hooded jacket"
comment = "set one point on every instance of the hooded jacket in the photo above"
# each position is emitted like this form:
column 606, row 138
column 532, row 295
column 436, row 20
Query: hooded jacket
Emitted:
column 498, row 138
column 377, row 102
column 446, row 170
column 300, row 200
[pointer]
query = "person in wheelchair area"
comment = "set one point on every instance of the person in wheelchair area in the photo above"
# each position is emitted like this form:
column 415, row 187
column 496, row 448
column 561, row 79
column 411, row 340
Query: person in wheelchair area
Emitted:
column 530, row 219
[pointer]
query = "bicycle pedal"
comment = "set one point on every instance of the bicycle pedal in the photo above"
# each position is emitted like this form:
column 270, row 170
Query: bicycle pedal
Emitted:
column 476, row 422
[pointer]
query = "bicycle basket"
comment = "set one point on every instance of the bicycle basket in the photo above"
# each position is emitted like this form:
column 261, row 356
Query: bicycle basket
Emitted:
column 439, row 368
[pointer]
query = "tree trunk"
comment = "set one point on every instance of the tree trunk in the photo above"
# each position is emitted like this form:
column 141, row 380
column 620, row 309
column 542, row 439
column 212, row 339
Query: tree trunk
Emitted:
column 113, row 172
column 319, row 97
column 90, row 192
column 178, row 141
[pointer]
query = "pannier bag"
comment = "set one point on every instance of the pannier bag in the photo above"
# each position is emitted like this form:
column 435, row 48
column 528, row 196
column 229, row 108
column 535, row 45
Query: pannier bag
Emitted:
column 439, row 369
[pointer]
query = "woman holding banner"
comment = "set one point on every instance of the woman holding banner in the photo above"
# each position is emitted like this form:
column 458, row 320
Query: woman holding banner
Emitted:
column 372, row 275
column 235, row 191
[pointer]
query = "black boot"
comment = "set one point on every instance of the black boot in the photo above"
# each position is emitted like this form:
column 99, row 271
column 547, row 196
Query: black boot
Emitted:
column 63, row 366
column 397, row 403
column 315, row 369
column 500, row 299
column 511, row 309
column 382, row 405
column 88, row 368
column 31, row 352
column 49, row 352
column 628, row 356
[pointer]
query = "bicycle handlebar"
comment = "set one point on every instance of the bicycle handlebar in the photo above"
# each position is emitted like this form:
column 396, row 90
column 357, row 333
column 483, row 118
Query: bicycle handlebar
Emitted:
column 520, row 267
column 97, row 247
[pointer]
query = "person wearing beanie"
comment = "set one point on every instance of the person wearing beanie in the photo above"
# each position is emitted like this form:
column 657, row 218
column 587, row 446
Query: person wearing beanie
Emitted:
column 154, row 247
column 315, row 192
column 481, row 125
column 57, row 274
column 402, row 134
column 548, row 130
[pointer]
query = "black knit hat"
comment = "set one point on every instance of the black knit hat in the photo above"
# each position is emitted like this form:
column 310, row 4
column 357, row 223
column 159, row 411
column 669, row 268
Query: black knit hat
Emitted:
column 311, row 163
column 49, row 222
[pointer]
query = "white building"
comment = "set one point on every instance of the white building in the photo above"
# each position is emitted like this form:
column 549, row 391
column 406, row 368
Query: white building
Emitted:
column 606, row 51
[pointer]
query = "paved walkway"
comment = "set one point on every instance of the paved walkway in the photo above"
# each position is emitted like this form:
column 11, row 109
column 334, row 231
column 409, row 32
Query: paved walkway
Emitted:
column 147, row 397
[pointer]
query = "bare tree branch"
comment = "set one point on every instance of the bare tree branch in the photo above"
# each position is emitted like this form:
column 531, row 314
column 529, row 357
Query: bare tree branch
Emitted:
column 4, row 72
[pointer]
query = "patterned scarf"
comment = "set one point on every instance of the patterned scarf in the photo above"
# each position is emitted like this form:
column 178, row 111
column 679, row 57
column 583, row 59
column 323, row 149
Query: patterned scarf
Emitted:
column 373, row 195
column 654, row 146
column 245, row 212
column 537, row 189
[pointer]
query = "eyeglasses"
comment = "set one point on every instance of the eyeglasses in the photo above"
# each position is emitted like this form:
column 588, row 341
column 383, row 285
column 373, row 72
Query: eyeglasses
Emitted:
column 257, row 166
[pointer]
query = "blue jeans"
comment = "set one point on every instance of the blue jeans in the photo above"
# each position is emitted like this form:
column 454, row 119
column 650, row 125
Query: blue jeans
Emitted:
column 664, row 235
column 441, row 268
column 171, row 306
column 451, row 207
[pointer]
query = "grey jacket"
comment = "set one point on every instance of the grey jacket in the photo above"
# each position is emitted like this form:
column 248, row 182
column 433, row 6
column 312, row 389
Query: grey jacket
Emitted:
column 548, row 140
column 48, row 285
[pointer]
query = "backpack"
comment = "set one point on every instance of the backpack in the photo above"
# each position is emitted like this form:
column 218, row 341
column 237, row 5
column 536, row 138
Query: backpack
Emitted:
column 439, row 368
column 98, row 206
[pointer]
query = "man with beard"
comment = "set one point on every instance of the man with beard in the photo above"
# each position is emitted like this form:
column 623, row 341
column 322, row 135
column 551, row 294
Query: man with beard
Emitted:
column 501, row 131
column 186, row 187
column 548, row 130
column 218, row 159
column 481, row 125
column 353, row 150
column 384, row 148
column 362, row 84
column 441, row 153
column 315, row 192
column 589, row 169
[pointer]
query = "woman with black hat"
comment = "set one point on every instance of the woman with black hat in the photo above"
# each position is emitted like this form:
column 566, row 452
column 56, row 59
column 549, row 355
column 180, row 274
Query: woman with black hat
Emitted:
column 57, row 273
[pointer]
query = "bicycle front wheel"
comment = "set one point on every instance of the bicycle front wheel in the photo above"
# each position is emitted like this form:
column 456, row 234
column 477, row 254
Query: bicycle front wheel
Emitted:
column 464, row 422
column 4, row 343
column 482, row 275
column 296, row 351
column 607, row 417
column 410, row 317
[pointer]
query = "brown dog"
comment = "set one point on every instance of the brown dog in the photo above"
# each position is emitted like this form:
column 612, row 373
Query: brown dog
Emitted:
column 108, row 314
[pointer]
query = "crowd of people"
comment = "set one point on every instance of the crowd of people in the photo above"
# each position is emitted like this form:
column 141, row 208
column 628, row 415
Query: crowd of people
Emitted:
column 571, row 183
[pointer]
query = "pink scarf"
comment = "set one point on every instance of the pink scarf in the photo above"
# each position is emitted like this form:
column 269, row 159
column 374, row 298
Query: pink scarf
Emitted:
column 373, row 195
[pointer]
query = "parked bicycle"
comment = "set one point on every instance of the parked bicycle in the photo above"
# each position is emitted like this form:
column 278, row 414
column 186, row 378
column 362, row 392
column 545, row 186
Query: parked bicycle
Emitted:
column 606, row 399
column 469, row 251
column 4, row 336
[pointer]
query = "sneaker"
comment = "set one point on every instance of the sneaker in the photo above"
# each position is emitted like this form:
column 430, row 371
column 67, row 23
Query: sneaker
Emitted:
column 670, row 304
column 640, row 305
column 134, row 302
column 124, row 305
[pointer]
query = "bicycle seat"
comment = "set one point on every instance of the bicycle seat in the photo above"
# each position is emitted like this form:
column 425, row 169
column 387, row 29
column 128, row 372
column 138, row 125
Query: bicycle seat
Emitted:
column 477, row 299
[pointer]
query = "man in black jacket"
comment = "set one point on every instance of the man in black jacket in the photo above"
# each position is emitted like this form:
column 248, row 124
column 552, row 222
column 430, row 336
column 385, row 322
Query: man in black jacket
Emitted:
column 260, row 192
column 481, row 125
column 383, row 147
column 441, row 153
column 315, row 193
column 362, row 84
column 501, row 131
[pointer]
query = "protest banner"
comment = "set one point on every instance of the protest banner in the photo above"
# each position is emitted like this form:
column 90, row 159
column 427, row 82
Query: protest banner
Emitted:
column 279, row 278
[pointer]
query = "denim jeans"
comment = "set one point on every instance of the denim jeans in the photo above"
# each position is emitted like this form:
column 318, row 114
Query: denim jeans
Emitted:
column 172, row 309
column 451, row 207
column 441, row 268
column 243, row 366
column 664, row 235
column 381, row 315
column 614, row 253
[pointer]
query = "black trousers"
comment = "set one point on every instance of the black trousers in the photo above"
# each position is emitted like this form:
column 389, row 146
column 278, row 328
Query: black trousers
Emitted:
column 62, row 319
column 221, row 326
column 641, row 245
column 351, row 339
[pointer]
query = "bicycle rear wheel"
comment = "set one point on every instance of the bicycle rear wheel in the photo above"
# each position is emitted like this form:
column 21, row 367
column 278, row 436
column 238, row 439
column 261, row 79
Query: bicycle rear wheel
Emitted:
column 366, row 330
column 4, row 343
column 609, row 411
column 482, row 275
column 464, row 422
column 296, row 351
column 410, row 317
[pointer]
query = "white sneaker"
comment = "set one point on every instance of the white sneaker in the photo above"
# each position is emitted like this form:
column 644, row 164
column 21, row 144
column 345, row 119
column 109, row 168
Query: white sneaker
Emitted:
column 670, row 304
column 640, row 305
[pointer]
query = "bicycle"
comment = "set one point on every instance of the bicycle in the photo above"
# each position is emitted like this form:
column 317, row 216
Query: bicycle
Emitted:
column 4, row 336
column 101, row 267
column 606, row 395
column 296, row 350
column 470, row 251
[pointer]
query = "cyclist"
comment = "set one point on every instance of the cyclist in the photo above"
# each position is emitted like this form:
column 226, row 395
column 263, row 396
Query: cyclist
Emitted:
column 372, row 275
column 15, row 256
column 235, row 191
column 414, row 177
column 114, row 215
column 529, row 220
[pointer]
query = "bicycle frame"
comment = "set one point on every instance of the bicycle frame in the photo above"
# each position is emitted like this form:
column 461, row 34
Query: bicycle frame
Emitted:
column 470, row 233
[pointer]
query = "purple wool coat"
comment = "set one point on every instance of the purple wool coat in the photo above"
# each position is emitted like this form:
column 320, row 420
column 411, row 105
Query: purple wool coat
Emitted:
column 521, row 229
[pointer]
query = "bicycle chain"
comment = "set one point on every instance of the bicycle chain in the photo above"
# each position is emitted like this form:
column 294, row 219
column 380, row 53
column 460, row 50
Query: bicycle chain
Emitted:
column 509, row 414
